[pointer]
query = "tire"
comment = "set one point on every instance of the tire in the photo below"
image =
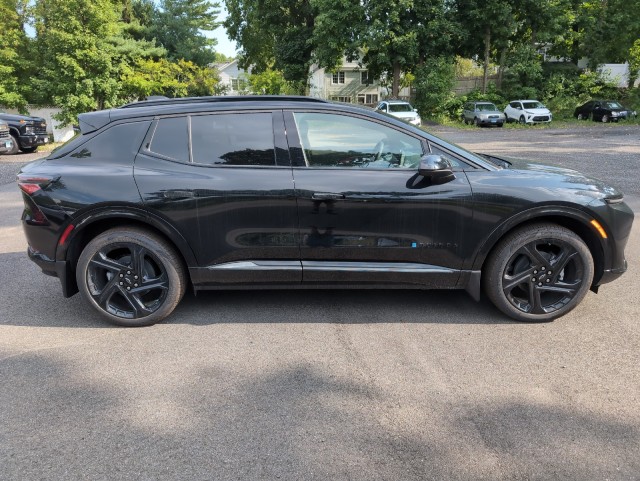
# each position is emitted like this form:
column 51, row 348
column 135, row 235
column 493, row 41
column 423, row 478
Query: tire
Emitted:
column 16, row 147
column 538, row 273
column 522, row 120
column 501, row 125
column 605, row 118
column 131, row 276
column 476, row 122
column 581, row 117
column 29, row 150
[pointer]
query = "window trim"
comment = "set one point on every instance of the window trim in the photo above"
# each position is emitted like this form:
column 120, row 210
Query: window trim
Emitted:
column 336, row 77
column 148, row 139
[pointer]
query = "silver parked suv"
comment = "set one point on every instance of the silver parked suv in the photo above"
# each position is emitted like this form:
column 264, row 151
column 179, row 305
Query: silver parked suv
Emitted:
column 482, row 113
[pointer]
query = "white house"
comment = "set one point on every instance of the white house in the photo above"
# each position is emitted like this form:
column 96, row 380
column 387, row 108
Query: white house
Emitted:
column 233, row 77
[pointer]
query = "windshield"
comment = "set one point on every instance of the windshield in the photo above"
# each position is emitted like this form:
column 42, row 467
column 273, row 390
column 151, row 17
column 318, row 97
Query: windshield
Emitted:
column 400, row 108
column 532, row 105
column 486, row 107
column 612, row 105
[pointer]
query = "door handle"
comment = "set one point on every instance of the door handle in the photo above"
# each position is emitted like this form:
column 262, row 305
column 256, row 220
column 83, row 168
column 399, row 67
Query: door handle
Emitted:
column 326, row 196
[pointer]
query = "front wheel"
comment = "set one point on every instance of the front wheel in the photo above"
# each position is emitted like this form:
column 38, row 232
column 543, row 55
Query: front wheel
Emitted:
column 605, row 118
column 131, row 276
column 538, row 273
column 29, row 150
column 522, row 120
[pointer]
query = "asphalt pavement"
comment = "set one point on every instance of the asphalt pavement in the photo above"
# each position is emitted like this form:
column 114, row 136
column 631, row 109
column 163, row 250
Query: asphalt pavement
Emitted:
column 326, row 385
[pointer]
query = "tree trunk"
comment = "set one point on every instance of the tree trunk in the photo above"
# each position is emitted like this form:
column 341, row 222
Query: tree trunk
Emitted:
column 487, row 52
column 503, row 60
column 395, row 86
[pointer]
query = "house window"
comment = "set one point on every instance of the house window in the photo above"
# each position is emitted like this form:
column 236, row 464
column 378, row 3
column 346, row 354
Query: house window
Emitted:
column 346, row 100
column 367, row 98
column 238, row 84
column 364, row 78
column 337, row 78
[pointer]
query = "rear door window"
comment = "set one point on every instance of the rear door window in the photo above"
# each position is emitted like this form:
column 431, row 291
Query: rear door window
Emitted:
column 233, row 139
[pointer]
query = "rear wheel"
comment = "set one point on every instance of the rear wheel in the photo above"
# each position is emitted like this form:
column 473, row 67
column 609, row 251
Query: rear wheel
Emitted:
column 131, row 276
column 538, row 273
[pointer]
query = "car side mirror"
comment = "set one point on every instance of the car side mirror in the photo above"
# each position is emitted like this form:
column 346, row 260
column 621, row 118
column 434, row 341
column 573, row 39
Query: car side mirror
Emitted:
column 436, row 168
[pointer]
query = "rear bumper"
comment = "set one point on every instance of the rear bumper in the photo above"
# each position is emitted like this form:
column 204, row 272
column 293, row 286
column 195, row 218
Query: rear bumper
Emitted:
column 59, row 269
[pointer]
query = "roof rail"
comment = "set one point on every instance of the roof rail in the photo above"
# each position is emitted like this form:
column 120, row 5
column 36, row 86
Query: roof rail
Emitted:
column 228, row 98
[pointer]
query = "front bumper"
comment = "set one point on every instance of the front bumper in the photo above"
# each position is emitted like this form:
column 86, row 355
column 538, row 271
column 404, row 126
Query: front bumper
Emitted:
column 6, row 145
column 33, row 140
column 489, row 121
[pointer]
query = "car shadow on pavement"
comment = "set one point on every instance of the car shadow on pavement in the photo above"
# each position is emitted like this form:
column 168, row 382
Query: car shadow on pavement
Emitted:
column 33, row 299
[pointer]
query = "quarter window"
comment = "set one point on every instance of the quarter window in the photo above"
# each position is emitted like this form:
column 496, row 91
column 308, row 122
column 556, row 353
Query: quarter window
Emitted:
column 171, row 138
column 233, row 139
column 118, row 143
column 330, row 140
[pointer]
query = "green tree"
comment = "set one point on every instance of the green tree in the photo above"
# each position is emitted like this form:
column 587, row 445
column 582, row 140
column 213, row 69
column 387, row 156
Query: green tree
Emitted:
column 270, row 82
column 178, row 26
column 273, row 33
column 488, row 25
column 13, row 45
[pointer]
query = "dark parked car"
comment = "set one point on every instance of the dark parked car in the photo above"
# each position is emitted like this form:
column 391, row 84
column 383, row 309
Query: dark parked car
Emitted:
column 603, row 111
column 293, row 192
column 6, row 142
column 27, row 132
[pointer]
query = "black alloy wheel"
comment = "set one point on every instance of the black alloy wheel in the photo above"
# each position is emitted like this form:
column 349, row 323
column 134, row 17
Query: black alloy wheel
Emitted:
column 539, row 273
column 522, row 120
column 131, row 276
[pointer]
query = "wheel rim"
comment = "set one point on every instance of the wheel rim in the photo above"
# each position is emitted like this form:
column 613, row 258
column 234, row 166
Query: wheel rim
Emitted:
column 543, row 276
column 580, row 117
column 522, row 120
column 605, row 118
column 127, row 280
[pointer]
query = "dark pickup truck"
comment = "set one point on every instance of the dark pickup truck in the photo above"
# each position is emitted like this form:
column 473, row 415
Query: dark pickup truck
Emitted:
column 26, row 132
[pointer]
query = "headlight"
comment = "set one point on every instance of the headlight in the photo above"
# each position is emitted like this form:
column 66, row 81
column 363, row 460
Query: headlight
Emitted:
column 29, row 130
column 614, row 114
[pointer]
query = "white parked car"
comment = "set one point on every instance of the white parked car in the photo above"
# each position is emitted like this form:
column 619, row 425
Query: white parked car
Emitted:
column 527, row 112
column 401, row 109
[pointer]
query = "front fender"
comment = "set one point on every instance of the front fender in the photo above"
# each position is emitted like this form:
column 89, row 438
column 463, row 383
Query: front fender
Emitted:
column 537, row 213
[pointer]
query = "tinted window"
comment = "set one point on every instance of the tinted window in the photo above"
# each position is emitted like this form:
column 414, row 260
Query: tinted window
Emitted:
column 515, row 105
column 330, row 140
column 118, row 143
column 171, row 138
column 233, row 139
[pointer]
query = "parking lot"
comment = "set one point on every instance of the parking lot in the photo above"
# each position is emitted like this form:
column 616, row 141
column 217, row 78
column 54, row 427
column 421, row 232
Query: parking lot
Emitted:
column 361, row 385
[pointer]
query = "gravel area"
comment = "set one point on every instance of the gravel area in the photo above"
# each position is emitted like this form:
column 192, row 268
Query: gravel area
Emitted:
column 10, row 165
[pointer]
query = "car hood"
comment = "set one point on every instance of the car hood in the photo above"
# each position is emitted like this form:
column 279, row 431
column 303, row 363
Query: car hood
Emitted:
column 559, row 176
column 543, row 111
column 404, row 115
column 18, row 118
column 490, row 112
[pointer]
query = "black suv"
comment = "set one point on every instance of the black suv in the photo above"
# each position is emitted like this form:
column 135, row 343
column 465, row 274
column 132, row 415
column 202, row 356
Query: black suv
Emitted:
column 290, row 192
column 28, row 132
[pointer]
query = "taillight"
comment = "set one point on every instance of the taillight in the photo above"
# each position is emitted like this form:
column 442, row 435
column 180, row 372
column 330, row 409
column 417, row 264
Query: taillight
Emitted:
column 30, row 184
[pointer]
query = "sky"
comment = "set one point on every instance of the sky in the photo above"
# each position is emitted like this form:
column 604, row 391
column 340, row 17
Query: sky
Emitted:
column 224, row 46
